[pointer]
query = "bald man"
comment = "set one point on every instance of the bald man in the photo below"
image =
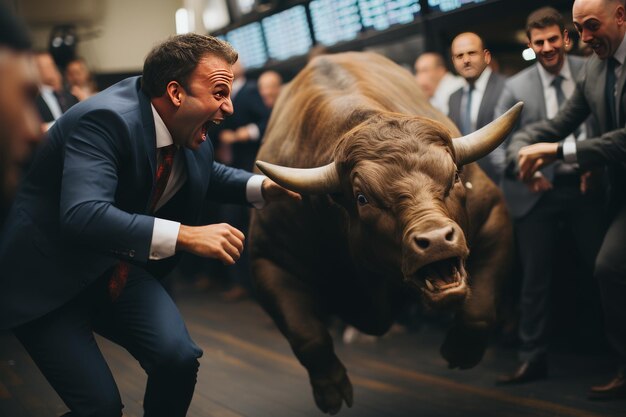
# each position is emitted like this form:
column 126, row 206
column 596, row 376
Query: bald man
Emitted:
column 472, row 106
column 601, row 93
column 435, row 80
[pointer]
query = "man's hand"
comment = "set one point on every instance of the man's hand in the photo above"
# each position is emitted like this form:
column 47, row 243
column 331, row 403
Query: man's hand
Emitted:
column 218, row 241
column 538, row 183
column 534, row 157
column 274, row 192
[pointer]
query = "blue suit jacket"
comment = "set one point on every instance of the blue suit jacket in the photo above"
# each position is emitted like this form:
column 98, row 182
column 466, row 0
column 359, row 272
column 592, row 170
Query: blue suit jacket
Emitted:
column 84, row 203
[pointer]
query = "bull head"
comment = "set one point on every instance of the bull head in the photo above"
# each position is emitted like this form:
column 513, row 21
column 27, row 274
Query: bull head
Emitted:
column 325, row 179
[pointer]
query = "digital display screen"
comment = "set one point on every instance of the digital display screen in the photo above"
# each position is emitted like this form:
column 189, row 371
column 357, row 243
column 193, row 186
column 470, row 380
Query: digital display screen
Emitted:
column 335, row 20
column 248, row 42
column 449, row 5
column 287, row 33
column 381, row 14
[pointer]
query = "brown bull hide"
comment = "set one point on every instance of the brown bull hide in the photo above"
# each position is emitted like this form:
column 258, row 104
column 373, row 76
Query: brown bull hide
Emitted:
column 399, row 214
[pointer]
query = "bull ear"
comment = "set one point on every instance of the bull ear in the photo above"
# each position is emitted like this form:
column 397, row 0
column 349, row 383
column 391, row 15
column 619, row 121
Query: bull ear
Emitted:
column 474, row 146
column 321, row 180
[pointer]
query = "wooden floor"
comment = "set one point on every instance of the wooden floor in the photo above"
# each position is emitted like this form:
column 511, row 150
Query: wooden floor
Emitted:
column 248, row 370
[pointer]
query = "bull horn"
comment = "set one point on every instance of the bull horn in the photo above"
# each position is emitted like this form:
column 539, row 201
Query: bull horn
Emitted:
column 320, row 180
column 474, row 146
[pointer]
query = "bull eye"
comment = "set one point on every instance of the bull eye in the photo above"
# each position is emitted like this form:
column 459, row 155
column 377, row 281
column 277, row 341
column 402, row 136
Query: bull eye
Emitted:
column 457, row 177
column 361, row 199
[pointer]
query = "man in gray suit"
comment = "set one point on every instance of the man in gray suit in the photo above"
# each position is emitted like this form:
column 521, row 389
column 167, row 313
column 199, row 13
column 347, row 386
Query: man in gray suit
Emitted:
column 553, row 197
column 602, row 25
column 471, row 107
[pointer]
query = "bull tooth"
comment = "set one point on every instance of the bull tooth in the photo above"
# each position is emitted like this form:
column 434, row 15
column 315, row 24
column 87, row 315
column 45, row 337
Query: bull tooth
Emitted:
column 429, row 285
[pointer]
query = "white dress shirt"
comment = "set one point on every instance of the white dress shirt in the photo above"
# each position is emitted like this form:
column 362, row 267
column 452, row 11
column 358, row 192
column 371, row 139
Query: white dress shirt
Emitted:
column 568, row 85
column 47, row 94
column 569, row 151
column 447, row 85
column 165, row 232
column 477, row 95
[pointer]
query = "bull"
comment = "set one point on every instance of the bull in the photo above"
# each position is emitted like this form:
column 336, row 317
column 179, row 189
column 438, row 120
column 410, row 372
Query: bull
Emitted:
column 390, row 202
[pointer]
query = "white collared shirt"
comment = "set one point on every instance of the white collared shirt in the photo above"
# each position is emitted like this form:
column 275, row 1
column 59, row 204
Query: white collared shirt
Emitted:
column 569, row 150
column 448, row 84
column 568, row 85
column 47, row 94
column 477, row 95
column 165, row 232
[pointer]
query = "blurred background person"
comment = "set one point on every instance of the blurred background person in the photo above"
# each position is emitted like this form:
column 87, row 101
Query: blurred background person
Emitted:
column 435, row 80
column 54, row 99
column 79, row 79
column 239, row 137
column 269, row 84
column 553, row 202
column 472, row 106
column 20, row 126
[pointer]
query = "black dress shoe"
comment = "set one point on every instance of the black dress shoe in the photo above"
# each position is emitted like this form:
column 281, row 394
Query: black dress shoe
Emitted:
column 614, row 390
column 526, row 372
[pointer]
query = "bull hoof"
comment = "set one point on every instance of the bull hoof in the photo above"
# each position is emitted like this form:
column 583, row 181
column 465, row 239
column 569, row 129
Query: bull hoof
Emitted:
column 332, row 390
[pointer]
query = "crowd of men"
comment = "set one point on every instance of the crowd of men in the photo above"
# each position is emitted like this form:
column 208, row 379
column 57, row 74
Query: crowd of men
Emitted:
column 101, row 183
column 563, row 166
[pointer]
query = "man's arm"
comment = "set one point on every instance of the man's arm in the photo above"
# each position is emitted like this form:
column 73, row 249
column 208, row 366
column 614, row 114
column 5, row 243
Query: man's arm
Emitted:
column 93, row 156
column 574, row 112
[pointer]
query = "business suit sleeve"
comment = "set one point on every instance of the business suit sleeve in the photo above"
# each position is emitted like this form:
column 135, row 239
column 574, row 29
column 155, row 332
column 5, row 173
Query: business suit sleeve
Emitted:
column 228, row 185
column 609, row 148
column 95, row 152
column 574, row 112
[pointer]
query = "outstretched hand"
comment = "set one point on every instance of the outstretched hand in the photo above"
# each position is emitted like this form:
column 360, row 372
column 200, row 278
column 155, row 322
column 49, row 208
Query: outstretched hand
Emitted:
column 274, row 192
column 534, row 157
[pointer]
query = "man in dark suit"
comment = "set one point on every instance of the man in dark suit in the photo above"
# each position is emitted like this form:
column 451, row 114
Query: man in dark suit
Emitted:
column 53, row 99
column 108, row 201
column 553, row 198
column 601, row 93
column 471, row 107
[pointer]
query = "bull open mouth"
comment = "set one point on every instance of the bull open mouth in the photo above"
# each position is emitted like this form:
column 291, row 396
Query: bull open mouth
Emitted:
column 441, row 282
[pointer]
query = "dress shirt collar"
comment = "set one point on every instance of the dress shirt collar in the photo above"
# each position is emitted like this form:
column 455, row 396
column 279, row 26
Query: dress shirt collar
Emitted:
column 163, row 136
column 481, row 82
column 548, row 77
column 620, row 53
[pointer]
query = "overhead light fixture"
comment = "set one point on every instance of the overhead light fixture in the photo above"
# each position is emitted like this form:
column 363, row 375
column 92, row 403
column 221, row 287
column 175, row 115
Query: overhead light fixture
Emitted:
column 184, row 21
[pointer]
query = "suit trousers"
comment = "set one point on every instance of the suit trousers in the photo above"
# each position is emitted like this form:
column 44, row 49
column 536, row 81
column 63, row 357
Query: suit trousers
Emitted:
column 610, row 271
column 537, row 234
column 144, row 320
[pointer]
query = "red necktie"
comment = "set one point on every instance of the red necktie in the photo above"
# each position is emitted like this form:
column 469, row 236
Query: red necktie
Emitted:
column 164, row 168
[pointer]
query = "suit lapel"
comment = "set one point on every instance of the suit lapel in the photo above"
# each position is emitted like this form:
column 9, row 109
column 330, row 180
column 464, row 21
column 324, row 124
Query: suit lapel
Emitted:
column 485, row 111
column 596, row 89
column 618, row 96
column 539, row 92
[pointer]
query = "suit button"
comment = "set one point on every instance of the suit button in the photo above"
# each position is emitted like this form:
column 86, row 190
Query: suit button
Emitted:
column 131, row 253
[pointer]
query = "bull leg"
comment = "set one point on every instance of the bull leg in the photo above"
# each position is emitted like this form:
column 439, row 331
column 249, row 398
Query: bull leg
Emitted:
column 489, row 263
column 295, row 308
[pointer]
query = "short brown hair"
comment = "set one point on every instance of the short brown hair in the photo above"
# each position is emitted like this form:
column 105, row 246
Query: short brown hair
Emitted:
column 177, row 57
column 543, row 18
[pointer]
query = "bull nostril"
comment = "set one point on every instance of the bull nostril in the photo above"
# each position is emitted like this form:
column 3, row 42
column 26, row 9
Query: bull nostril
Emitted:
column 422, row 243
column 450, row 235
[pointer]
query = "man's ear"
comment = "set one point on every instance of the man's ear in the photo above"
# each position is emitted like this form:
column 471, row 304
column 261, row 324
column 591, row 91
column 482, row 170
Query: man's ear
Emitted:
column 175, row 92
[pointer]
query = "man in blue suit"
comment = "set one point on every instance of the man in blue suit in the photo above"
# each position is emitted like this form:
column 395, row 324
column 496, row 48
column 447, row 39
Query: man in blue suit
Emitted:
column 109, row 200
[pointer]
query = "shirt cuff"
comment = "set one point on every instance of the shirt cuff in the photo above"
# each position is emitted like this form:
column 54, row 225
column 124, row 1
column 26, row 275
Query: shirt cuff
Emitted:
column 164, row 237
column 569, row 152
column 253, row 132
column 254, row 193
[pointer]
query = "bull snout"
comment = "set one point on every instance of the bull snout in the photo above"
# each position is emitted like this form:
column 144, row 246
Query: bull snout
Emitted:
column 438, row 243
